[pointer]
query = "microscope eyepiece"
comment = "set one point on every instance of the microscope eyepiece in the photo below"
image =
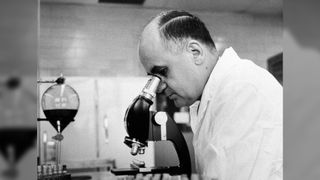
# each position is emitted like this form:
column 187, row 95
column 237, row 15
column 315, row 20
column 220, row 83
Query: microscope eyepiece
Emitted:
column 150, row 89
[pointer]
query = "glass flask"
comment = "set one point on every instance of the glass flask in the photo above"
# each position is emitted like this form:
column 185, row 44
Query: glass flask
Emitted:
column 60, row 104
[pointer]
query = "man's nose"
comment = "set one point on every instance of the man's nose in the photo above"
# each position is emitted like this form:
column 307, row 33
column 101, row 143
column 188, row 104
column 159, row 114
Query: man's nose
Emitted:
column 162, row 86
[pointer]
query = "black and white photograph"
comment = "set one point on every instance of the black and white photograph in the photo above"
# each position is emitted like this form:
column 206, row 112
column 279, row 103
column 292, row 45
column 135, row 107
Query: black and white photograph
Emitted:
column 149, row 89
column 159, row 90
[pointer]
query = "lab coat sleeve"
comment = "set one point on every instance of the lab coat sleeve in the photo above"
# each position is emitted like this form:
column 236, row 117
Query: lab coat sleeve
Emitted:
column 247, row 142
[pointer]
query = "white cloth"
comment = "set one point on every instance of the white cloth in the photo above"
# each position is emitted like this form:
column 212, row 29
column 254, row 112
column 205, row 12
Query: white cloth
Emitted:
column 238, row 123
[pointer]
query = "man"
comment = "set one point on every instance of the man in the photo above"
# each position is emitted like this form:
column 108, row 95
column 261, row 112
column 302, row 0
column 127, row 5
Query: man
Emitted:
column 235, row 106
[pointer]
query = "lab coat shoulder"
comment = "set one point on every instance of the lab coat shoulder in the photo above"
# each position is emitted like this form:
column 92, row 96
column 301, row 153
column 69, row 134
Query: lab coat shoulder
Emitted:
column 247, row 128
column 235, row 109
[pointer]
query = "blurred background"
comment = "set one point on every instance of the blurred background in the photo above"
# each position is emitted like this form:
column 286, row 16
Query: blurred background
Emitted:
column 93, row 43
column 18, row 95
column 301, row 43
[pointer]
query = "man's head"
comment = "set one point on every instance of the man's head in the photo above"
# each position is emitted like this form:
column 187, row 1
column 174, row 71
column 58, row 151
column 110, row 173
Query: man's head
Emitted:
column 177, row 47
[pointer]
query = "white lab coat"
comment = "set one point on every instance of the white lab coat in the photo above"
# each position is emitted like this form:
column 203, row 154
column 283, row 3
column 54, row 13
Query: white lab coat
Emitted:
column 238, row 123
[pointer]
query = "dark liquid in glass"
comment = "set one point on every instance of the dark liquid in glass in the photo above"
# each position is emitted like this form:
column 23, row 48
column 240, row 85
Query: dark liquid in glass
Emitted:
column 60, row 113
column 65, row 116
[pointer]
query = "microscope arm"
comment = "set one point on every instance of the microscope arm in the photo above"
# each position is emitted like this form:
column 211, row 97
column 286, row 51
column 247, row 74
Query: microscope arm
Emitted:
column 174, row 135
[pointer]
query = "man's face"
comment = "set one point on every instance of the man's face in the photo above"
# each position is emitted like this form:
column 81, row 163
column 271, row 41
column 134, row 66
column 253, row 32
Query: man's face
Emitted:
column 176, row 70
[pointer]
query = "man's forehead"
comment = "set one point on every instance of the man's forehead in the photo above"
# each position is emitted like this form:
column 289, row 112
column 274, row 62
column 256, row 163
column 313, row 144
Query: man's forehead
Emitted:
column 153, row 63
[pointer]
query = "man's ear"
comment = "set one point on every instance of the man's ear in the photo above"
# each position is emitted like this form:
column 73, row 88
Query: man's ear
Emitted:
column 195, row 49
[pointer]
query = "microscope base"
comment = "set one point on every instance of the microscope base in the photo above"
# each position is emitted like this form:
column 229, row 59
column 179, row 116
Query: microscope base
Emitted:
column 173, row 170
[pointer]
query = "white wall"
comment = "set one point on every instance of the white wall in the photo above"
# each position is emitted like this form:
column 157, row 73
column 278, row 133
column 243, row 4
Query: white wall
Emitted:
column 101, row 39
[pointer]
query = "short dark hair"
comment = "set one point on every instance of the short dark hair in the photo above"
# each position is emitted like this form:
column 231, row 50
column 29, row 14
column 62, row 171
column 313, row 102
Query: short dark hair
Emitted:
column 179, row 25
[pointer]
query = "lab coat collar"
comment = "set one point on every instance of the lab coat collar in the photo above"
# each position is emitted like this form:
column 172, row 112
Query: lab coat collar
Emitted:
column 198, row 109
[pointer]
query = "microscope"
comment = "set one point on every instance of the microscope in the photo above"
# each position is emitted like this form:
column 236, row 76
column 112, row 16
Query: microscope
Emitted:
column 144, row 125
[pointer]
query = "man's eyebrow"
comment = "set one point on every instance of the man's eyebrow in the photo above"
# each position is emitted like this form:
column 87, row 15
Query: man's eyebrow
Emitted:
column 157, row 70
